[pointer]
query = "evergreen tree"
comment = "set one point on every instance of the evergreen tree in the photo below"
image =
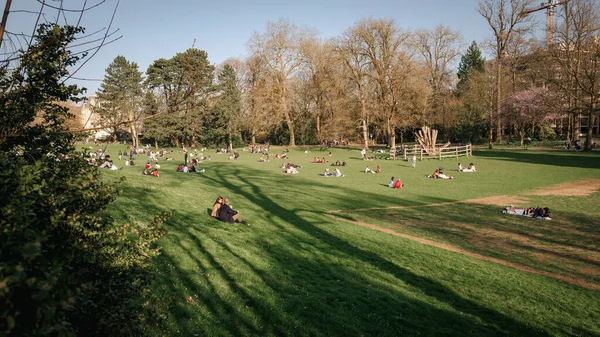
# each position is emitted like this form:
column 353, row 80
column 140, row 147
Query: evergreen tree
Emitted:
column 469, row 62
column 120, row 95
column 229, row 105
column 181, row 82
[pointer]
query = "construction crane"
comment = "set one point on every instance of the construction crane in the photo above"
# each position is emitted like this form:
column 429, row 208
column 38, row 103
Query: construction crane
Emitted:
column 549, row 6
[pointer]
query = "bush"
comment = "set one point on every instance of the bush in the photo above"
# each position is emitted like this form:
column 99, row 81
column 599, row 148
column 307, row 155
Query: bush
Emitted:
column 66, row 267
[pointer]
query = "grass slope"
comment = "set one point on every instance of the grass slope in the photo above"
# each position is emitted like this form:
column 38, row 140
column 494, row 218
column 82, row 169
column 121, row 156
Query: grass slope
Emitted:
column 295, row 271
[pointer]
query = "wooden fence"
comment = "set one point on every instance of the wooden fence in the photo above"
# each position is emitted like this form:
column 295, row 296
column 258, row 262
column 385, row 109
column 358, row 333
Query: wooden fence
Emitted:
column 447, row 152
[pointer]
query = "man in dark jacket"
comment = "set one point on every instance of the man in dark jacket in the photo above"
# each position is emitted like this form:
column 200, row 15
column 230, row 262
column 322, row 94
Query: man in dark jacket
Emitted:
column 226, row 214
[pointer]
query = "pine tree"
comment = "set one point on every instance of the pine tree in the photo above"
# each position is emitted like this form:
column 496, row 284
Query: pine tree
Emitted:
column 469, row 62
column 120, row 95
column 224, row 123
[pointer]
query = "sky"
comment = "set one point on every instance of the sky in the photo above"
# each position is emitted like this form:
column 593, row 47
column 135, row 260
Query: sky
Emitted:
column 153, row 29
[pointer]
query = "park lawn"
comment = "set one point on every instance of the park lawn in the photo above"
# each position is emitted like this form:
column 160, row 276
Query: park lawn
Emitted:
column 296, row 271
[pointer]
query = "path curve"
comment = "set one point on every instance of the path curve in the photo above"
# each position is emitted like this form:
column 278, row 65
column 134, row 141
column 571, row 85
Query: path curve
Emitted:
column 455, row 249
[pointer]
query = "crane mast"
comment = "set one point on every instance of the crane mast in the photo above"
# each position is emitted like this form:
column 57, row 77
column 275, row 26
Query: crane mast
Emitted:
column 549, row 6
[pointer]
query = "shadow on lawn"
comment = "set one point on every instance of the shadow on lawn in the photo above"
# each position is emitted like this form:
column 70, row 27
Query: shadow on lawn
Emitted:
column 308, row 296
column 568, row 159
column 567, row 245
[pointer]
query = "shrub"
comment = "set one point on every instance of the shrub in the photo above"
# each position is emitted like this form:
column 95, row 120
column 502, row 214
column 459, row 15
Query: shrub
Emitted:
column 65, row 266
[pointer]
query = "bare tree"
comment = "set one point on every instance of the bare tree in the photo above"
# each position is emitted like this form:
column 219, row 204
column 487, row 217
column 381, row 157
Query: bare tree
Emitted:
column 506, row 18
column 439, row 48
column 577, row 59
column 318, row 57
column 356, row 66
column 279, row 49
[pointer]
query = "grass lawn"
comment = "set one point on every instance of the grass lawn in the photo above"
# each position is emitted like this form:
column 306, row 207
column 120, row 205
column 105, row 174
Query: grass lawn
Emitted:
column 296, row 271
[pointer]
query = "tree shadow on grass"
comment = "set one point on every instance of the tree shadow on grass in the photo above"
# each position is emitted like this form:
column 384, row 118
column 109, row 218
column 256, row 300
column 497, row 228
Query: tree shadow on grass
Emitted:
column 566, row 159
column 561, row 245
column 402, row 313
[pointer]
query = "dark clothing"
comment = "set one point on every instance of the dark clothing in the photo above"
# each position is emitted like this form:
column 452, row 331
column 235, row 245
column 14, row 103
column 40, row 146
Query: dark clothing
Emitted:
column 226, row 213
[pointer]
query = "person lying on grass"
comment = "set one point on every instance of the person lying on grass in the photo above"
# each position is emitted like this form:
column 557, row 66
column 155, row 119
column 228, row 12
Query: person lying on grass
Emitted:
column 439, row 174
column 226, row 214
column 290, row 170
column 534, row 212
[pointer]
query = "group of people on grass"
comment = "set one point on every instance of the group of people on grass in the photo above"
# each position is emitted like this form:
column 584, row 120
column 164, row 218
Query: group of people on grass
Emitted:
column 534, row 212
column 369, row 170
column 439, row 174
column 222, row 211
column 397, row 184
column 336, row 173
column 470, row 168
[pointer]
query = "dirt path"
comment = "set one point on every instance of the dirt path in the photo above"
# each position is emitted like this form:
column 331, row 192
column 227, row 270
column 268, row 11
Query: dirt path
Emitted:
column 451, row 248
column 577, row 188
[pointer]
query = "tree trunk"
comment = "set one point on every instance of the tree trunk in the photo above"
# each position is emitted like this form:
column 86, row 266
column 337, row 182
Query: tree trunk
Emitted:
column 392, row 139
column 288, row 118
column 498, row 97
column 319, row 125
column 589, row 137
column 193, row 142
column 134, row 136
column 155, row 144
column 230, row 147
column 365, row 127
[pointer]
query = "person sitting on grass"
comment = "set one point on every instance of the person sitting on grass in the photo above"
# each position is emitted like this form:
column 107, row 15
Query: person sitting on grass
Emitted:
column 368, row 170
column 398, row 184
column 377, row 170
column 226, row 214
column 460, row 167
column 179, row 168
column 470, row 168
column 327, row 173
column 391, row 183
column 337, row 173
column 343, row 163
column 337, row 163
column 216, row 206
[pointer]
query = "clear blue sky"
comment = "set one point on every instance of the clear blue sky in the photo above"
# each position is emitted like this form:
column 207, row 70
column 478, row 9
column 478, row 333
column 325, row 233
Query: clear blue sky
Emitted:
column 153, row 29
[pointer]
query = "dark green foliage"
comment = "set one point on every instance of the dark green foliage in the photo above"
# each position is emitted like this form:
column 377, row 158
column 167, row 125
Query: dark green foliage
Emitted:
column 119, row 92
column 181, row 83
column 66, row 267
column 469, row 62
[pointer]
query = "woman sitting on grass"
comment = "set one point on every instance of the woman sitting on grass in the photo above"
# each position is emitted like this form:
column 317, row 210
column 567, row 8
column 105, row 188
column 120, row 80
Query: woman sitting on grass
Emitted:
column 391, row 183
column 216, row 206
column 337, row 173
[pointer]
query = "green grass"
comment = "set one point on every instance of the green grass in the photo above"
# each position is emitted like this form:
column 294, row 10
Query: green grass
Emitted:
column 295, row 271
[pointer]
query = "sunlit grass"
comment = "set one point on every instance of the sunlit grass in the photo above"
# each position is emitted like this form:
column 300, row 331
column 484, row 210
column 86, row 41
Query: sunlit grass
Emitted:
column 296, row 271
